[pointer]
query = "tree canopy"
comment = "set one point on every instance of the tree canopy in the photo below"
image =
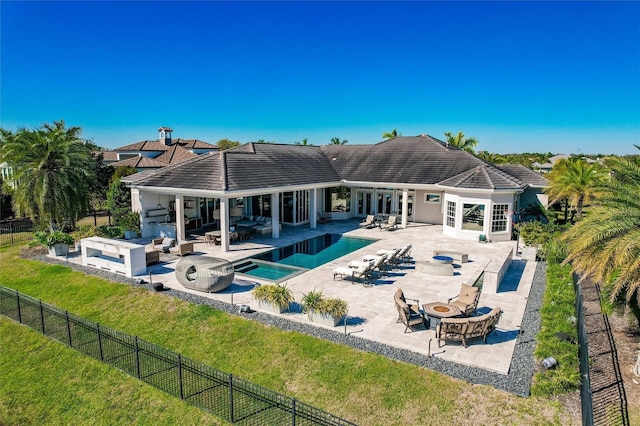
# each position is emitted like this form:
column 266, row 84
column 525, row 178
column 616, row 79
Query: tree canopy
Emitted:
column 461, row 141
column 575, row 180
column 392, row 134
column 53, row 169
column 338, row 141
column 606, row 243
column 224, row 144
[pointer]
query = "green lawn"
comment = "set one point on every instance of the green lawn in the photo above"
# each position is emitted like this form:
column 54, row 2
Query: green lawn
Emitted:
column 361, row 387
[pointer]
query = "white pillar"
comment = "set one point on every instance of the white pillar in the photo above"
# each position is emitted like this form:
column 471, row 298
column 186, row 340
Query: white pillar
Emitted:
column 313, row 213
column 275, row 215
column 180, row 236
column 224, row 224
column 405, row 206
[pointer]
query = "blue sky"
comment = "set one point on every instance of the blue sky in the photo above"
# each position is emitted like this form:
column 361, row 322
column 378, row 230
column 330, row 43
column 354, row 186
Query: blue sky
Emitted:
column 561, row 77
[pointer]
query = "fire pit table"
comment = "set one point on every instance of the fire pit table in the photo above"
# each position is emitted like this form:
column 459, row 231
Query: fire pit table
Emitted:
column 436, row 311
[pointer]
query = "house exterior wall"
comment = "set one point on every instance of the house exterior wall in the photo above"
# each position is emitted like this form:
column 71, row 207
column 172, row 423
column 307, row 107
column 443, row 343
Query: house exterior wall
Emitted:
column 486, row 200
column 428, row 212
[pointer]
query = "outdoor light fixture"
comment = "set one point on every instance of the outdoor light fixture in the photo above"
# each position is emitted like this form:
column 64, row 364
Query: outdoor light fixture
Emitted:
column 549, row 363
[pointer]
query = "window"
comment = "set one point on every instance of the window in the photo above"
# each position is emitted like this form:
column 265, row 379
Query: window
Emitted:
column 499, row 217
column 337, row 199
column 473, row 217
column 432, row 198
column 451, row 214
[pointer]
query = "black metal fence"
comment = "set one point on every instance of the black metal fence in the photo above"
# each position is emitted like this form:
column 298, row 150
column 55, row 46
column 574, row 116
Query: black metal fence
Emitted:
column 15, row 231
column 603, row 397
column 228, row 397
column 583, row 352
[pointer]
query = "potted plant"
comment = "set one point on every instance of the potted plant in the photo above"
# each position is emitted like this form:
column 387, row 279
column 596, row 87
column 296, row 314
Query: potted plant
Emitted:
column 84, row 231
column 130, row 223
column 273, row 297
column 57, row 242
column 311, row 303
column 328, row 312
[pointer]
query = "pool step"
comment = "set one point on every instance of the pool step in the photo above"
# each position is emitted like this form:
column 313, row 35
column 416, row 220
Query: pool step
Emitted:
column 246, row 266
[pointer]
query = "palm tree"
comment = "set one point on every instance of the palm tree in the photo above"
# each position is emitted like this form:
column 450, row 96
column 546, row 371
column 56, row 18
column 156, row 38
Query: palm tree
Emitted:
column 491, row 157
column 606, row 244
column 462, row 142
column 391, row 135
column 574, row 180
column 337, row 141
column 52, row 169
column 304, row 142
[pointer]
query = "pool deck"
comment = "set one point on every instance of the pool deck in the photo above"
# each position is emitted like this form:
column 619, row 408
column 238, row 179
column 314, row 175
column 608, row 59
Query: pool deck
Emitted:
column 372, row 313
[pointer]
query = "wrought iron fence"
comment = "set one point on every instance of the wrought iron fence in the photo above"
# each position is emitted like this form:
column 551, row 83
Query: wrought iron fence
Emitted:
column 12, row 232
column 228, row 397
column 583, row 353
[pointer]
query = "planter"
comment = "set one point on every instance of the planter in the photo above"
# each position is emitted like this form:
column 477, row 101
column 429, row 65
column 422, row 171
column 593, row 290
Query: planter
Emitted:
column 324, row 319
column 59, row 249
column 271, row 307
column 130, row 235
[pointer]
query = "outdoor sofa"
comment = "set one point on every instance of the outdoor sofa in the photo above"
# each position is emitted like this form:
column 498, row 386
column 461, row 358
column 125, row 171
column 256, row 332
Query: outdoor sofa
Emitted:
column 464, row 329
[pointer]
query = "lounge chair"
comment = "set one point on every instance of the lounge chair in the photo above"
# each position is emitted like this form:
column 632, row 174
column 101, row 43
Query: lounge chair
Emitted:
column 163, row 244
column 467, row 300
column 369, row 222
column 363, row 272
column 391, row 224
column 377, row 263
column 182, row 249
column 409, row 314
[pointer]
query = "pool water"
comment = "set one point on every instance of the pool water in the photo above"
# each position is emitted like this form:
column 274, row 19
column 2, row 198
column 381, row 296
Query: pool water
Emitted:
column 285, row 262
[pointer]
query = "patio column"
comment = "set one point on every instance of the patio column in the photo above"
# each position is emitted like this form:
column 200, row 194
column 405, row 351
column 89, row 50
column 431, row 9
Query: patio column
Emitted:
column 224, row 224
column 275, row 215
column 313, row 214
column 405, row 207
column 180, row 218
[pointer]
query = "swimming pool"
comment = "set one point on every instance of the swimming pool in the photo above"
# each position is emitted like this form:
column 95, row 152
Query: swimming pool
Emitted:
column 286, row 262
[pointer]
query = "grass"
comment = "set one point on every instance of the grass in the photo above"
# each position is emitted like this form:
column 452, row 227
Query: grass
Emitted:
column 558, row 316
column 359, row 386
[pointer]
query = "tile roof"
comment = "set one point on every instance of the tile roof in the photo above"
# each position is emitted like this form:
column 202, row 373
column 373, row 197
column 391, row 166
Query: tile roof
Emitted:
column 138, row 162
column 483, row 177
column 155, row 145
column 420, row 160
column 175, row 154
column 526, row 175
column 412, row 160
column 250, row 166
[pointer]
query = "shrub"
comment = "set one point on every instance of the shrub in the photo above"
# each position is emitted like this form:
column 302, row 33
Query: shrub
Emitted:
column 274, row 293
column 48, row 239
column 314, row 302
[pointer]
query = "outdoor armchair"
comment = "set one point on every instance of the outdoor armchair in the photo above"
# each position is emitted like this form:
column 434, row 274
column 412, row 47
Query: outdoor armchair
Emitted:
column 413, row 309
column 467, row 299
column 163, row 244
column 391, row 224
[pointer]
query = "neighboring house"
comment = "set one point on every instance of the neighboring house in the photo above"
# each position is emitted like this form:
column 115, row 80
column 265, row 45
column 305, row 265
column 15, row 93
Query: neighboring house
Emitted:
column 155, row 154
column 6, row 171
column 548, row 166
column 420, row 179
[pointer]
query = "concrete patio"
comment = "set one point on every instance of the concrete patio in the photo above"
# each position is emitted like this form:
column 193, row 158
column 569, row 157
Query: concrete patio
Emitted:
column 372, row 313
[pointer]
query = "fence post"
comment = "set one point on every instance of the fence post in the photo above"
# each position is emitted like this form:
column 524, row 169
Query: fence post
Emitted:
column 11, row 232
column 66, row 314
column 180, row 376
column 18, row 305
column 231, row 416
column 41, row 317
column 293, row 412
column 99, row 341
column 137, row 358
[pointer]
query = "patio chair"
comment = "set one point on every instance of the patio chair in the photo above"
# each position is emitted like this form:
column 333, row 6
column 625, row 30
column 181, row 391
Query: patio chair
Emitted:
column 401, row 303
column 182, row 249
column 163, row 244
column 391, row 224
column 411, row 321
column 369, row 222
column 467, row 299
column 362, row 272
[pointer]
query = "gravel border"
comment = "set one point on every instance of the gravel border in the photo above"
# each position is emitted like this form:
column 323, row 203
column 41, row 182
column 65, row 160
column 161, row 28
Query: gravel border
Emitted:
column 518, row 381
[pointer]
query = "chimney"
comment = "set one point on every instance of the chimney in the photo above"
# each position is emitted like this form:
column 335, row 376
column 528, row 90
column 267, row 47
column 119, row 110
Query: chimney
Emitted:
column 165, row 135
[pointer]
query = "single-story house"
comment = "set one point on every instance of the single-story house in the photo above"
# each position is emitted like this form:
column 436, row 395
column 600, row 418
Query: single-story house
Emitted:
column 420, row 179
